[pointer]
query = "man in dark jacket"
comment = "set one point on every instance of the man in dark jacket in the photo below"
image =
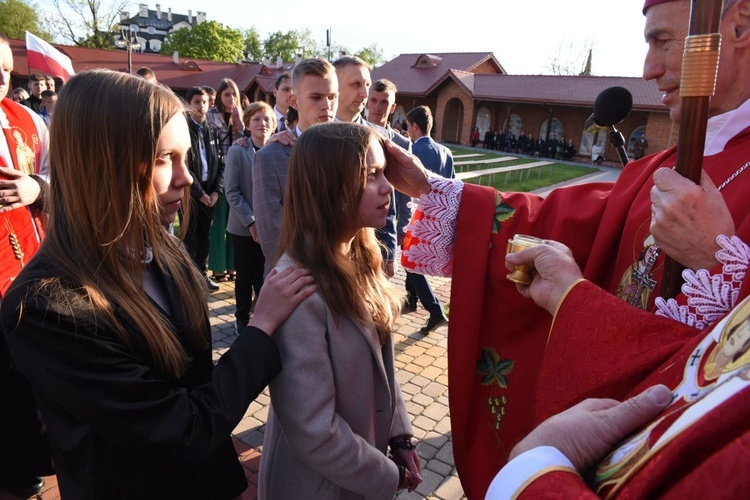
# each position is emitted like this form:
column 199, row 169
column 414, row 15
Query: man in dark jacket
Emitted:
column 207, row 168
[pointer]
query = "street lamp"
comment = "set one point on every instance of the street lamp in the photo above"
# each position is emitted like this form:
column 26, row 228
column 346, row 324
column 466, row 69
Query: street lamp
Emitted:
column 128, row 40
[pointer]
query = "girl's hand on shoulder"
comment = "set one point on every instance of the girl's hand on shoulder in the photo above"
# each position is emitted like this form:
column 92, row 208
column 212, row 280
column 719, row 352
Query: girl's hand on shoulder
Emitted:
column 281, row 293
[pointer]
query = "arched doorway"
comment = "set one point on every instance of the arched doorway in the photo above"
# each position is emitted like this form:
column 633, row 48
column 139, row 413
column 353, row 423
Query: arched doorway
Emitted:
column 634, row 136
column 453, row 121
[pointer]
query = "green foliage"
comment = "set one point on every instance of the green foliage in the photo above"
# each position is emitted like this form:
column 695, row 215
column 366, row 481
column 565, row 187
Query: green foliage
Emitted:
column 373, row 55
column 253, row 44
column 494, row 371
column 288, row 45
column 207, row 40
column 17, row 17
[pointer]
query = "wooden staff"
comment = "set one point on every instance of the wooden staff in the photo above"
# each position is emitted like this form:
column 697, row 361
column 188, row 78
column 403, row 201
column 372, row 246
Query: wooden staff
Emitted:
column 700, row 67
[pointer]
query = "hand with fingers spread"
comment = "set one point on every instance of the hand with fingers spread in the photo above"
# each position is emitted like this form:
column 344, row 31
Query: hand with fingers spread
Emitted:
column 405, row 172
column 281, row 293
column 555, row 271
column 17, row 189
column 588, row 431
column 686, row 218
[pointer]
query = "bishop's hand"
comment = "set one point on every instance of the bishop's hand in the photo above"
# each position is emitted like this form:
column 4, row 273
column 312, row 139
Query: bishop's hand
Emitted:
column 686, row 218
column 555, row 271
column 405, row 171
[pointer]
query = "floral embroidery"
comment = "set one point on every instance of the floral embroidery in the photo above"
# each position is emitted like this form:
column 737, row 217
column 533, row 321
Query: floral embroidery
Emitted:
column 493, row 369
column 710, row 297
column 494, row 372
column 503, row 212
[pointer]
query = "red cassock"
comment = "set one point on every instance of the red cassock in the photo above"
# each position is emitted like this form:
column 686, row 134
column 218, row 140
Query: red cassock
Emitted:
column 703, row 454
column 20, row 229
column 497, row 338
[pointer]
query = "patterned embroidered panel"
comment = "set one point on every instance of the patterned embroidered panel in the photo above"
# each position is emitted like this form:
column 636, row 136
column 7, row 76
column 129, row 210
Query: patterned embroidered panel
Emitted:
column 710, row 296
column 435, row 230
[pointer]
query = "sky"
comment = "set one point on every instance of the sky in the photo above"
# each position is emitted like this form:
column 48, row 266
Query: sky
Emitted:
column 524, row 35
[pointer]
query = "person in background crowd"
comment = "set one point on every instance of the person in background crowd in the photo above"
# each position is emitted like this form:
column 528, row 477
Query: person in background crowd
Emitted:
column 226, row 120
column 260, row 122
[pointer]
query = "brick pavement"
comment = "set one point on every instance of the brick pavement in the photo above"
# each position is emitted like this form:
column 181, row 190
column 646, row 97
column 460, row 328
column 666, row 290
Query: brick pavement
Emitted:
column 421, row 365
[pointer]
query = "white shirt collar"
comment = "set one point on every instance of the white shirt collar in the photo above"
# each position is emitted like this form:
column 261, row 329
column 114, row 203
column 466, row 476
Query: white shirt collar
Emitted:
column 722, row 128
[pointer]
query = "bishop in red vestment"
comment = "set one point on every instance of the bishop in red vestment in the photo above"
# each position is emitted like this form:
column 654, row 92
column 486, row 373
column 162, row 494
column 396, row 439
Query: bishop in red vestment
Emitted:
column 24, row 141
column 497, row 338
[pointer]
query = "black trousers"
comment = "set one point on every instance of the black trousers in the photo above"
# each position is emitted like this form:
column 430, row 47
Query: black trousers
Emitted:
column 197, row 236
column 248, row 263
column 24, row 449
column 417, row 285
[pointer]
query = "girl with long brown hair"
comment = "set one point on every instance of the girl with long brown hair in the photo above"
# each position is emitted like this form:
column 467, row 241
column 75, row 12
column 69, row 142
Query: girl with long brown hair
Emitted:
column 109, row 320
column 226, row 119
column 337, row 407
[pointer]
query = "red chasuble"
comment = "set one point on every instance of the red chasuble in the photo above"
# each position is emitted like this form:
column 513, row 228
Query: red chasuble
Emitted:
column 497, row 338
column 699, row 446
column 20, row 229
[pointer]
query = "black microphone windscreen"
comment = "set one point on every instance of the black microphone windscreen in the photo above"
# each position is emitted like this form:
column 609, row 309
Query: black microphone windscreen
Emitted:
column 612, row 106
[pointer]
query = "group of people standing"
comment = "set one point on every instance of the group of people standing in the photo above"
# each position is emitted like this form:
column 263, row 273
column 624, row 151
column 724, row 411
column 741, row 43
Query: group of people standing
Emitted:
column 526, row 144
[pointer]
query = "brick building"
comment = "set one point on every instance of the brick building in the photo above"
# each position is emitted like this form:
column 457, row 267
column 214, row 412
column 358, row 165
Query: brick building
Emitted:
column 467, row 90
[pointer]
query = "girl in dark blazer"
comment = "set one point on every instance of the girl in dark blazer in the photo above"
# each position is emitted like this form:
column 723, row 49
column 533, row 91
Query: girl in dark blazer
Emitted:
column 109, row 321
column 336, row 409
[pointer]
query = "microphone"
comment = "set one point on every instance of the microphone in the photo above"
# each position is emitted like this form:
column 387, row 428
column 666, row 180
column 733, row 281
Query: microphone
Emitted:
column 612, row 106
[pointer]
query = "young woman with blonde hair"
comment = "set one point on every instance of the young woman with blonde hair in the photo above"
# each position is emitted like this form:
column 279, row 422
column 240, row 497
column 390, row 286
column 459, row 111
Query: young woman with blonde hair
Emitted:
column 109, row 321
column 336, row 408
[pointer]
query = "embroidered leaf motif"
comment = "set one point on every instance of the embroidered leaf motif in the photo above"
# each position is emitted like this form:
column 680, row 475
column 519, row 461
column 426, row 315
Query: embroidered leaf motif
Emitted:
column 493, row 369
column 503, row 212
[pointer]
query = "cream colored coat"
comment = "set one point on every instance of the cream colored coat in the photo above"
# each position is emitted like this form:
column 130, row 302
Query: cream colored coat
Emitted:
column 334, row 407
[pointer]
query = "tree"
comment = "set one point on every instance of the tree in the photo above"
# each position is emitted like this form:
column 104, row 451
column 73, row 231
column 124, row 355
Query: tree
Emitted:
column 207, row 40
column 87, row 23
column 288, row 45
column 372, row 55
column 253, row 45
column 17, row 17
column 567, row 60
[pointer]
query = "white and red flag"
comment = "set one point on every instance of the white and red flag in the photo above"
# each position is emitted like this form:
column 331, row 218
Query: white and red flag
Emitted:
column 43, row 56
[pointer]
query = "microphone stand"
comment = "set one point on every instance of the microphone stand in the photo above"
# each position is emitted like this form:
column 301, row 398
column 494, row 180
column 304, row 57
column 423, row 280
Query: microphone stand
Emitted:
column 618, row 142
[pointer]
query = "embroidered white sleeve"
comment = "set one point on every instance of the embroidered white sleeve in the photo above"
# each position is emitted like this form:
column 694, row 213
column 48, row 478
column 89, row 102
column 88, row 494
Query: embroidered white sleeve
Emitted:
column 436, row 230
column 710, row 297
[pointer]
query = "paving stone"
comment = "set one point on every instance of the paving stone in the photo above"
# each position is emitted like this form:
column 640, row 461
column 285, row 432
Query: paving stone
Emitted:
column 434, row 389
column 421, row 399
column 425, row 451
column 450, row 489
column 430, row 482
column 439, row 467
column 445, row 454
column 435, row 411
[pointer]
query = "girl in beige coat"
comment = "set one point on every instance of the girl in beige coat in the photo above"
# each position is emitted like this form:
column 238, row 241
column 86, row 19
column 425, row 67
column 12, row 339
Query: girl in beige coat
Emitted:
column 336, row 408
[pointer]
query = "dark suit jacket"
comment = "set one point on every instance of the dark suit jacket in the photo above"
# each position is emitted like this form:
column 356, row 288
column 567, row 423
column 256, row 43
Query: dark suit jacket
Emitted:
column 118, row 426
column 434, row 156
column 269, row 184
column 215, row 178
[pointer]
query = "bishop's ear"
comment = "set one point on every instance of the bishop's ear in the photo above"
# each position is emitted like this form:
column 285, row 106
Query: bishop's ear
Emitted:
column 740, row 16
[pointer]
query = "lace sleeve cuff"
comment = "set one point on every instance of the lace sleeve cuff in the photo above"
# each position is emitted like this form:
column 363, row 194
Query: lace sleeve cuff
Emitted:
column 709, row 297
column 428, row 246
